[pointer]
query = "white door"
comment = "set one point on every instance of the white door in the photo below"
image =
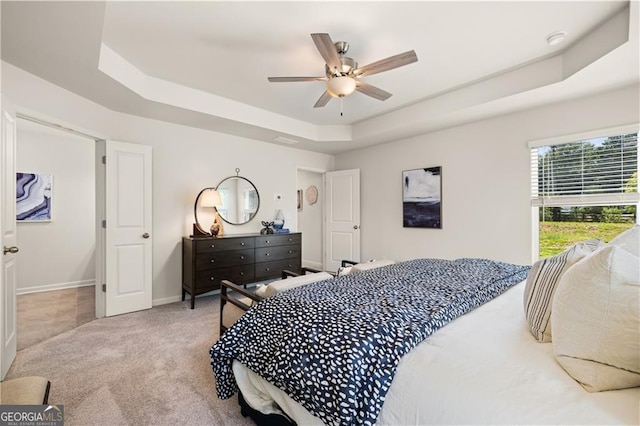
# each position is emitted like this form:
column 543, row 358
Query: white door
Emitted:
column 128, row 235
column 342, row 217
column 8, row 232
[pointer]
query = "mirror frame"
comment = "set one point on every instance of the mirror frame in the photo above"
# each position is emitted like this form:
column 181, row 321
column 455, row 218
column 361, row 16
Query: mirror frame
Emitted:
column 257, row 195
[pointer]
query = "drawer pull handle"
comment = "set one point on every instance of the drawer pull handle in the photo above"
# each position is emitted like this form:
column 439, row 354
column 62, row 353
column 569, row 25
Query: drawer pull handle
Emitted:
column 267, row 242
column 241, row 257
column 212, row 261
column 268, row 269
column 241, row 244
column 241, row 273
column 212, row 278
column 290, row 239
column 266, row 254
column 290, row 251
column 213, row 246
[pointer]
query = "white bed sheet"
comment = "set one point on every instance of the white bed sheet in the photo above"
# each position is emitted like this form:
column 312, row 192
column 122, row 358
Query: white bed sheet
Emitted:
column 482, row 368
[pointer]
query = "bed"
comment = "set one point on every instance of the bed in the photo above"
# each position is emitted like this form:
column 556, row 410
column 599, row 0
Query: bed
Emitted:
column 481, row 367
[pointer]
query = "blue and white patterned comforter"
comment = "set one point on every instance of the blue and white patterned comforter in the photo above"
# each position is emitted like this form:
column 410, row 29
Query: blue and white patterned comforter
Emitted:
column 334, row 345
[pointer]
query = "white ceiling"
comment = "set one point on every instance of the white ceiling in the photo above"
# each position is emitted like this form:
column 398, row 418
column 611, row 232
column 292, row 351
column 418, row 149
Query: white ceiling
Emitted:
column 206, row 64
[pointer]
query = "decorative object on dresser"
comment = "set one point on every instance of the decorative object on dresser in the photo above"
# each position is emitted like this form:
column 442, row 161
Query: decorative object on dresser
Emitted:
column 421, row 198
column 278, row 222
column 243, row 259
column 299, row 197
column 268, row 228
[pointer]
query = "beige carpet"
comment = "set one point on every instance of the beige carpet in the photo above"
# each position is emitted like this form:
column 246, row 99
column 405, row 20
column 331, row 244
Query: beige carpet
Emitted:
column 145, row 368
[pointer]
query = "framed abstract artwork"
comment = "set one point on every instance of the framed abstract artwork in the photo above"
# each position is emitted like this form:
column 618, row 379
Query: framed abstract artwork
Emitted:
column 421, row 198
column 33, row 197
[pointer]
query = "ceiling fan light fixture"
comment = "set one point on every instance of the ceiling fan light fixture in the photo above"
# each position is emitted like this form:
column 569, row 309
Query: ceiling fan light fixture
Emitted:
column 342, row 86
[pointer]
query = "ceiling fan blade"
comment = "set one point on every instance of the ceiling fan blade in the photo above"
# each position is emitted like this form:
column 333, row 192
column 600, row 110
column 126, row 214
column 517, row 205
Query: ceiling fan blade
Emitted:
column 387, row 64
column 289, row 79
column 372, row 91
column 323, row 100
column 328, row 51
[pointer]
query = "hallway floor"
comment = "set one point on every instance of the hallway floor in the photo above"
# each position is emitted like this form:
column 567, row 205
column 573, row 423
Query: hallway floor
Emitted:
column 46, row 314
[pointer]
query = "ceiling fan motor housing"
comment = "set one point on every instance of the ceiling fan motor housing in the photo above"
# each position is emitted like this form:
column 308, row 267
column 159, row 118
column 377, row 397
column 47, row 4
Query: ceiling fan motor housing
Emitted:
column 348, row 65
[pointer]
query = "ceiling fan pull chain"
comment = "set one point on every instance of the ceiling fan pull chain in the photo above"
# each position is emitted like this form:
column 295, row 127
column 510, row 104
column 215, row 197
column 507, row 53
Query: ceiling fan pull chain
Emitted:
column 341, row 106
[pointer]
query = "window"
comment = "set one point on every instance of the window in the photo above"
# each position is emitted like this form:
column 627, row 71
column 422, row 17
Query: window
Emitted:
column 584, row 187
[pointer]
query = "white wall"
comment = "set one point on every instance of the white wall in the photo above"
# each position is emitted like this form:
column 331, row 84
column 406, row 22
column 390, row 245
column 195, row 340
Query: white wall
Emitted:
column 185, row 160
column 58, row 254
column 485, row 180
column 310, row 219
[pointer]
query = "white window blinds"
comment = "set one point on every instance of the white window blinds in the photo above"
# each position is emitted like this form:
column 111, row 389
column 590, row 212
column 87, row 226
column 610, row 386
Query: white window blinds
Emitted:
column 594, row 171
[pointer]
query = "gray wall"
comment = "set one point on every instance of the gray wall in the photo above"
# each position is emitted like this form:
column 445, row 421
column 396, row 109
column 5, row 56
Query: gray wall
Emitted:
column 185, row 160
column 485, row 180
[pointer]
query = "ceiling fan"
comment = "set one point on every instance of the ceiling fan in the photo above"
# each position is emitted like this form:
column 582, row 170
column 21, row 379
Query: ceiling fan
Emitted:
column 342, row 73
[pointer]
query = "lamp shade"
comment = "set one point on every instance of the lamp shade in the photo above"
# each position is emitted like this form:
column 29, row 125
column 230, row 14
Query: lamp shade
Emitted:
column 211, row 198
column 340, row 87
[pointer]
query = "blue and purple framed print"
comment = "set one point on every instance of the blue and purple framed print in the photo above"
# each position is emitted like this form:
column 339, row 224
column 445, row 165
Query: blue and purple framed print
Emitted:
column 33, row 197
column 421, row 198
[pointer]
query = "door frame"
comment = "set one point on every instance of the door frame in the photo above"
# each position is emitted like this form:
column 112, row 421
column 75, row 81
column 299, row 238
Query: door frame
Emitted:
column 321, row 197
column 8, row 308
column 101, row 214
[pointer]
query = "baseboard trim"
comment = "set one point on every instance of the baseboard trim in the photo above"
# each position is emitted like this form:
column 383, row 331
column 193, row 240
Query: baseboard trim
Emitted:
column 312, row 264
column 58, row 286
column 166, row 300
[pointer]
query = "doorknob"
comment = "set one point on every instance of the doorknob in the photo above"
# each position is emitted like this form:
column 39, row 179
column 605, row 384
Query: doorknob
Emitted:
column 12, row 249
column 355, row 226
column 145, row 235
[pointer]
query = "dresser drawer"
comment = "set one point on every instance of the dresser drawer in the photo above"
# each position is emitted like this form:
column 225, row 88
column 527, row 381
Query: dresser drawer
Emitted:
column 277, row 240
column 274, row 268
column 214, row 260
column 267, row 254
column 211, row 244
column 237, row 274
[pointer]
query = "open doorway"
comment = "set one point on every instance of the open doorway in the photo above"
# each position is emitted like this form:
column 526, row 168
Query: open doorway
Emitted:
column 310, row 216
column 55, row 230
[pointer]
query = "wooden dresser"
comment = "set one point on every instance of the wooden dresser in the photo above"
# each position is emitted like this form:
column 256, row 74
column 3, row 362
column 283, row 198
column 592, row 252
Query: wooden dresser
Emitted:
column 245, row 258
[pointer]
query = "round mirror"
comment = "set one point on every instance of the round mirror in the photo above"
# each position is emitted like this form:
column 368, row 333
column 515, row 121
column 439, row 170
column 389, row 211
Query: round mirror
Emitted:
column 239, row 198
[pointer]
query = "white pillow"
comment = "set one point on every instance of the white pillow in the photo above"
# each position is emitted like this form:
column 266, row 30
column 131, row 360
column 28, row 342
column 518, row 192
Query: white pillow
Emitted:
column 629, row 240
column 372, row 264
column 596, row 320
column 542, row 280
column 292, row 282
column 343, row 270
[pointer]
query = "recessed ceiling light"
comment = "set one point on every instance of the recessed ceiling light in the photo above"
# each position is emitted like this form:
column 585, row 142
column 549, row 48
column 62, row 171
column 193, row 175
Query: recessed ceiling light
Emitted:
column 556, row 37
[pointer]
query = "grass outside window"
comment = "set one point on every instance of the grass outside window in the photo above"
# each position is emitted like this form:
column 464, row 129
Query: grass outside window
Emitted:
column 555, row 237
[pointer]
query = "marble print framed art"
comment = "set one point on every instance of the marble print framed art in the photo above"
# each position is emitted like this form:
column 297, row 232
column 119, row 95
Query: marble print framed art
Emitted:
column 33, row 197
column 422, row 198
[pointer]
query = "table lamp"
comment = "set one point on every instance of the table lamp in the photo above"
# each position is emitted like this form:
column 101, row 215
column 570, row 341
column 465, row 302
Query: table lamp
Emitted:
column 211, row 198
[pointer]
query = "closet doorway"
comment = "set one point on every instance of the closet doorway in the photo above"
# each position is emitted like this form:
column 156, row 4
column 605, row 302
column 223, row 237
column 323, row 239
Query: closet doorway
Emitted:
column 56, row 267
column 310, row 213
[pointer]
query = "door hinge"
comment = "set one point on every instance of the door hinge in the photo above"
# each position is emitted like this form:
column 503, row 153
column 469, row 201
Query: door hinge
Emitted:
column 104, row 223
column 104, row 159
column 104, row 288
